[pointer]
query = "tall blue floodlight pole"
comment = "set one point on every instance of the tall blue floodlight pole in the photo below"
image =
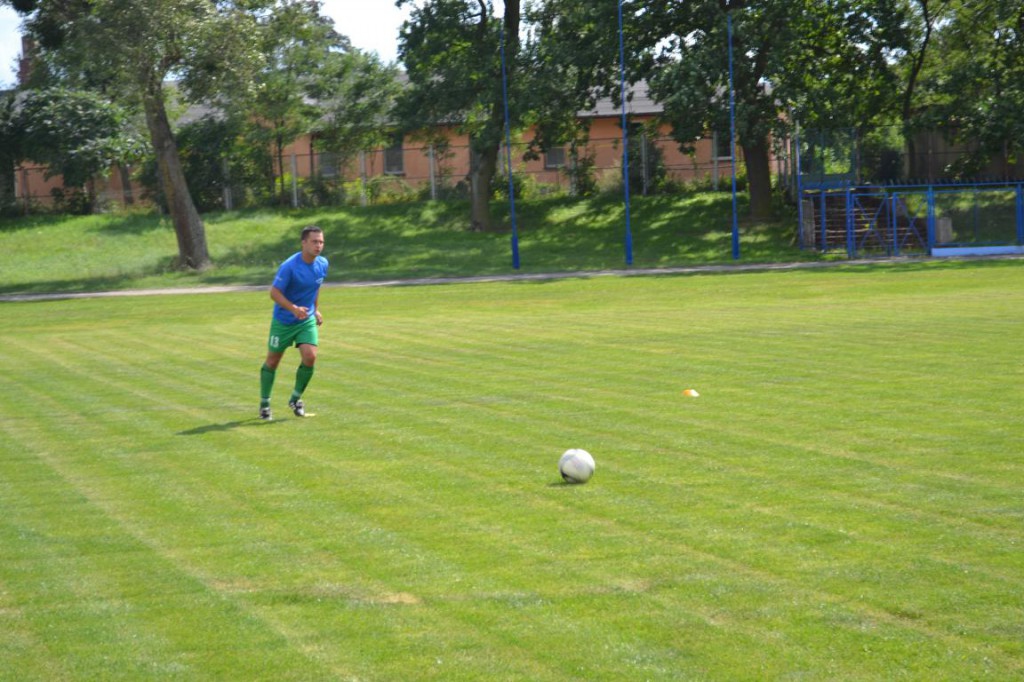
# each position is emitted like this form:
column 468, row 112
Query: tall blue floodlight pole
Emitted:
column 799, row 182
column 508, row 155
column 625, row 140
column 732, row 142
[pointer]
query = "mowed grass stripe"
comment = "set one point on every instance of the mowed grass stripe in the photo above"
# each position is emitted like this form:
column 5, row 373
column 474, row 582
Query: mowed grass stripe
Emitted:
column 720, row 538
column 219, row 502
column 100, row 583
column 534, row 380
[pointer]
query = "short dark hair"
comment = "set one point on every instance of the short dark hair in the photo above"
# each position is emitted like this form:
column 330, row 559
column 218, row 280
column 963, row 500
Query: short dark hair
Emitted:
column 310, row 229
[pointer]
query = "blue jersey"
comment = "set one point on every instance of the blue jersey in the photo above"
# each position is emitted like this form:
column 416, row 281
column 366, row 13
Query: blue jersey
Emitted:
column 300, row 282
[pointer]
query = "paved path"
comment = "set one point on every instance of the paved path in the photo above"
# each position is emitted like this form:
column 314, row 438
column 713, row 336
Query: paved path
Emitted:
column 586, row 274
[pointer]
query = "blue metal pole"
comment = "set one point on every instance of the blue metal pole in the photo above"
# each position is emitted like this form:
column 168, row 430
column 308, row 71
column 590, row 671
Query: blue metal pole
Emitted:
column 824, row 219
column 625, row 140
column 851, row 236
column 732, row 142
column 1020, row 214
column 894, row 224
column 799, row 187
column 930, row 220
column 508, row 156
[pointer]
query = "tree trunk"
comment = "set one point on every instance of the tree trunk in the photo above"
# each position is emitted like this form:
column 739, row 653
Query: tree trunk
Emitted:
column 910, row 165
column 759, row 179
column 483, row 167
column 279, row 144
column 7, row 185
column 484, row 162
column 188, row 226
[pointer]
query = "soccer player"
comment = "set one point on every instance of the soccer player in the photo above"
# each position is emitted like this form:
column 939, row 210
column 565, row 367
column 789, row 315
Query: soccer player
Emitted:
column 296, row 296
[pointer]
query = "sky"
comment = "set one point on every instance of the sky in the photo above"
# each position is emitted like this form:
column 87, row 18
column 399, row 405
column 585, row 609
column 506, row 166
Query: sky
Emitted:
column 372, row 25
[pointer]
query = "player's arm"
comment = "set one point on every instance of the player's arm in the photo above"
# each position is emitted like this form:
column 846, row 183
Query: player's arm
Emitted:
column 316, row 309
column 280, row 299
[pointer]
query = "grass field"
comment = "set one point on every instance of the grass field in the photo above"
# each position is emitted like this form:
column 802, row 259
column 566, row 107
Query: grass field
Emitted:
column 843, row 502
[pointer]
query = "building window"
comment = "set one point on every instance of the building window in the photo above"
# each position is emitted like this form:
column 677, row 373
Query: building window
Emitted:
column 394, row 158
column 328, row 164
column 554, row 158
column 723, row 146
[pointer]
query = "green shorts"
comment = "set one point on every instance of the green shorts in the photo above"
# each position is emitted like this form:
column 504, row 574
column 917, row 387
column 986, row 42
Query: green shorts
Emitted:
column 284, row 336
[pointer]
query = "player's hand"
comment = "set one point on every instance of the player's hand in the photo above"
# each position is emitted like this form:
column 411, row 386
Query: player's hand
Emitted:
column 319, row 318
column 301, row 312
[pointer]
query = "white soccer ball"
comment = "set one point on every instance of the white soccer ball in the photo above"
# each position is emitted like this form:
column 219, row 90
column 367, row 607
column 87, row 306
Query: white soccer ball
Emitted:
column 576, row 466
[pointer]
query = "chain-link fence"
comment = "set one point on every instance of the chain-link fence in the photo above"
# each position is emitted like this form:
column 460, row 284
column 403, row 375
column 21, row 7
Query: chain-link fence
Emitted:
column 409, row 172
column 913, row 219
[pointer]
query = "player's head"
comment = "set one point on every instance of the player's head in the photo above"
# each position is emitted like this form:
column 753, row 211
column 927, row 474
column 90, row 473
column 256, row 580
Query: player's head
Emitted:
column 312, row 242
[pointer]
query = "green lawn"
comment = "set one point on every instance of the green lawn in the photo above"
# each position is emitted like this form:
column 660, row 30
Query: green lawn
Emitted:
column 56, row 253
column 843, row 502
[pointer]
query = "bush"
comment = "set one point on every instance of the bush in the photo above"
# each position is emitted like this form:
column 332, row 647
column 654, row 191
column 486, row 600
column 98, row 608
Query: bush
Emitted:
column 389, row 189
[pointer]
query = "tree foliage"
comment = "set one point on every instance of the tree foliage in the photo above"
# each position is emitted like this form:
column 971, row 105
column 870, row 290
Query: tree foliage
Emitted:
column 10, row 143
column 357, row 95
column 127, row 49
column 973, row 88
column 75, row 133
column 452, row 50
column 297, row 48
column 827, row 61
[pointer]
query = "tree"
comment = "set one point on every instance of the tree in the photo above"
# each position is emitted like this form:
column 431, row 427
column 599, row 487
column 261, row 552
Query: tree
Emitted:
column 218, row 156
column 127, row 49
column 827, row 60
column 10, row 143
column 973, row 89
column 451, row 51
column 311, row 80
column 924, row 17
column 298, row 46
column 75, row 134
column 356, row 96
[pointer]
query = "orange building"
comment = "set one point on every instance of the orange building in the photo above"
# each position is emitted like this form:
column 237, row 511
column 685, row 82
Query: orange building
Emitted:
column 412, row 166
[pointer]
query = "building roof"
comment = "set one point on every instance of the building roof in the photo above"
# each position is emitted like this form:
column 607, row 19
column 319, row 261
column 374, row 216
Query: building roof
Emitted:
column 640, row 104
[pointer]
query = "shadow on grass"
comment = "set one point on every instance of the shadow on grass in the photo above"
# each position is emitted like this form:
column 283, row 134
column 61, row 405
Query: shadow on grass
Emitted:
column 226, row 426
column 119, row 282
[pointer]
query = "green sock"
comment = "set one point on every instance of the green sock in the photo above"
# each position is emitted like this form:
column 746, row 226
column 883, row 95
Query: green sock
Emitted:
column 266, row 384
column 302, row 376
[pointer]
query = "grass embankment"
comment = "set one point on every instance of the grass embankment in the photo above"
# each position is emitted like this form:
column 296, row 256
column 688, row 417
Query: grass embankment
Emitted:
column 138, row 250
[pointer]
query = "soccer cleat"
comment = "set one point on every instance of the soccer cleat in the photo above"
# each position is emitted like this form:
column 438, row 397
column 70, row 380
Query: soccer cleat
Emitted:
column 298, row 407
column 265, row 413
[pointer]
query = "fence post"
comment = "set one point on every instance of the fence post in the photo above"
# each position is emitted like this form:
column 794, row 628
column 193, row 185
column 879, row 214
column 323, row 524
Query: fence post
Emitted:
column 228, row 198
column 295, row 182
column 851, row 236
column 433, row 174
column 824, row 221
column 799, row 184
column 574, row 165
column 362, row 177
column 1020, row 214
column 895, row 225
column 714, row 157
column 644, row 161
